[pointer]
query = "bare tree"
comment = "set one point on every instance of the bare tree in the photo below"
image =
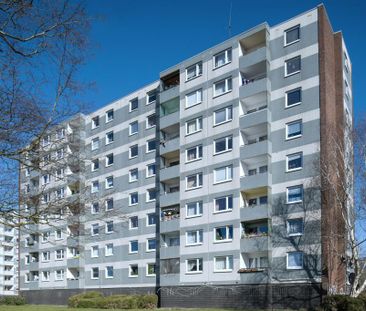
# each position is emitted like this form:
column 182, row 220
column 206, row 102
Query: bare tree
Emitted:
column 42, row 45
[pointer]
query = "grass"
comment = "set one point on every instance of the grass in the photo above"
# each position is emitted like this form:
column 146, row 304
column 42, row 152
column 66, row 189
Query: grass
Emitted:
column 65, row 308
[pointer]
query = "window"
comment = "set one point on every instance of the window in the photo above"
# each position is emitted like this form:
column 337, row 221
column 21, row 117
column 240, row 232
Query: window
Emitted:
column 292, row 66
column 59, row 154
column 109, row 204
column 294, row 162
column 150, row 269
column 109, row 138
column 193, row 71
column 95, row 273
column 45, row 236
column 223, row 204
column 194, row 181
column 46, row 140
column 194, row 153
column 194, row 98
column 94, row 251
column 295, row 260
column 134, row 198
column 134, row 104
column 95, row 143
column 133, row 175
column 151, row 121
column 292, row 35
column 294, row 129
column 257, row 262
column 109, row 182
column 60, row 133
column 46, row 256
column 194, row 209
column 134, row 247
column 223, row 86
column 223, row 263
column 109, row 116
column 150, row 245
column 109, row 159
column 294, row 194
column 222, row 58
column 223, row 144
column 46, row 179
column 133, row 128
column 293, row 97
column 95, row 229
column 151, row 219
column 151, row 97
column 223, row 174
column 223, row 234
column 95, row 122
column 109, row 226
column 194, row 265
column 223, row 115
column 59, row 254
column 58, row 234
column 150, row 170
column 134, row 222
column 27, row 171
column 95, row 208
column 150, row 145
column 133, row 151
column 95, row 165
column 295, row 226
column 194, row 237
column 45, row 276
column 150, row 195
column 59, row 275
column 109, row 272
column 133, row 271
column 193, row 126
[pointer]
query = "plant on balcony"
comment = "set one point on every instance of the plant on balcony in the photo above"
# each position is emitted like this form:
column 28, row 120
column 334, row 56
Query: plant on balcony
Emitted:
column 250, row 270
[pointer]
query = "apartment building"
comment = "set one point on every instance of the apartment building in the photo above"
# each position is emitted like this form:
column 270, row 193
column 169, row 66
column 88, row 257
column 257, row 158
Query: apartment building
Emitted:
column 200, row 186
column 8, row 261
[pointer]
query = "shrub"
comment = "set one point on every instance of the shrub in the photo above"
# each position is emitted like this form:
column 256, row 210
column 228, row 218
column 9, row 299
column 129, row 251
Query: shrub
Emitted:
column 74, row 301
column 12, row 300
column 98, row 302
column 121, row 302
column 343, row 303
column 148, row 302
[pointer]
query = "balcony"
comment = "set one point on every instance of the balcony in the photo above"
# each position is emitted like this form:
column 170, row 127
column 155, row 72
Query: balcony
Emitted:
column 169, row 139
column 255, row 181
column 253, row 276
column 169, row 172
column 254, row 212
column 169, row 252
column 169, row 86
column 169, row 119
column 253, row 42
column 169, row 198
column 170, row 218
column 255, row 148
column 253, row 57
column 254, row 236
column 170, row 269
column 255, row 85
column 255, row 116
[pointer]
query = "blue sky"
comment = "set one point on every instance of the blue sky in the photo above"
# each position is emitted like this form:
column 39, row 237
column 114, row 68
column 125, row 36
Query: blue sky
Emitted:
column 134, row 40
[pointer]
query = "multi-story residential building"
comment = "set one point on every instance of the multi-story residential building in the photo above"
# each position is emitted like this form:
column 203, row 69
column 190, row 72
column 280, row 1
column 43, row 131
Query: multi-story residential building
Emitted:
column 8, row 260
column 200, row 186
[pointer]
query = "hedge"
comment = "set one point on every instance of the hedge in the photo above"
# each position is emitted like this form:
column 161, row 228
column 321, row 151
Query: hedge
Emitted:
column 343, row 303
column 97, row 300
column 12, row 300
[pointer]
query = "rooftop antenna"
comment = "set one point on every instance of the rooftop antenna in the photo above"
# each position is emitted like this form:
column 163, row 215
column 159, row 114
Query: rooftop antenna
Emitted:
column 229, row 27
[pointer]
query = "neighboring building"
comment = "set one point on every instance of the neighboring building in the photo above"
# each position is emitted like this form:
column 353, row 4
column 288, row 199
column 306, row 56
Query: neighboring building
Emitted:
column 199, row 185
column 8, row 260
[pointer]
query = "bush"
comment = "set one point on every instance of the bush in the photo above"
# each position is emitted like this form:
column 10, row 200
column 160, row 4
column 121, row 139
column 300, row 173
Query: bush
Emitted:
column 343, row 303
column 12, row 300
column 96, row 300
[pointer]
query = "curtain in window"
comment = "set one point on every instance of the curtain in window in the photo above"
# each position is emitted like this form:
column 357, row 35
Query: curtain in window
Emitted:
column 220, row 263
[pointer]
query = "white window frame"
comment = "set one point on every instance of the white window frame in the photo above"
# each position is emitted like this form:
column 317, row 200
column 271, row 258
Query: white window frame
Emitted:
column 291, row 123
column 109, row 182
column 285, row 43
column 198, row 209
column 107, row 140
column 197, row 149
column 228, row 86
column 199, row 125
column 148, row 198
column 292, row 91
column 130, row 270
column 130, row 133
column 147, row 170
column 62, row 254
column 199, row 237
column 92, row 249
column 228, row 57
column 227, row 239
column 93, row 165
column 129, row 151
column 147, row 269
column 198, row 71
column 227, row 149
column 92, row 273
column 228, row 111
column 147, row 146
column 130, row 172
column 92, row 229
column 130, row 104
column 227, row 263
column 130, row 196
column 198, row 94
column 108, row 118
column 130, row 222
column 301, row 187
column 107, row 231
column 228, row 171
column 197, row 176
column 107, row 157
column 147, row 219
column 106, row 272
column 58, row 235
column 147, row 121
column 148, row 250
column 62, row 275
column 93, row 122
column 46, row 273
column 93, row 208
column 227, row 209
column 48, row 257
column 295, row 72
column 295, row 267
column 130, row 251
column 288, row 226
column 106, row 202
column 95, row 143
column 108, row 247
column 288, row 160
column 148, row 97
column 198, row 261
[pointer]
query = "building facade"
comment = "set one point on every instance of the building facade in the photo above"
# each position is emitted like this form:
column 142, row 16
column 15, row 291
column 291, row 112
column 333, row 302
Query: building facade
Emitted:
column 201, row 185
